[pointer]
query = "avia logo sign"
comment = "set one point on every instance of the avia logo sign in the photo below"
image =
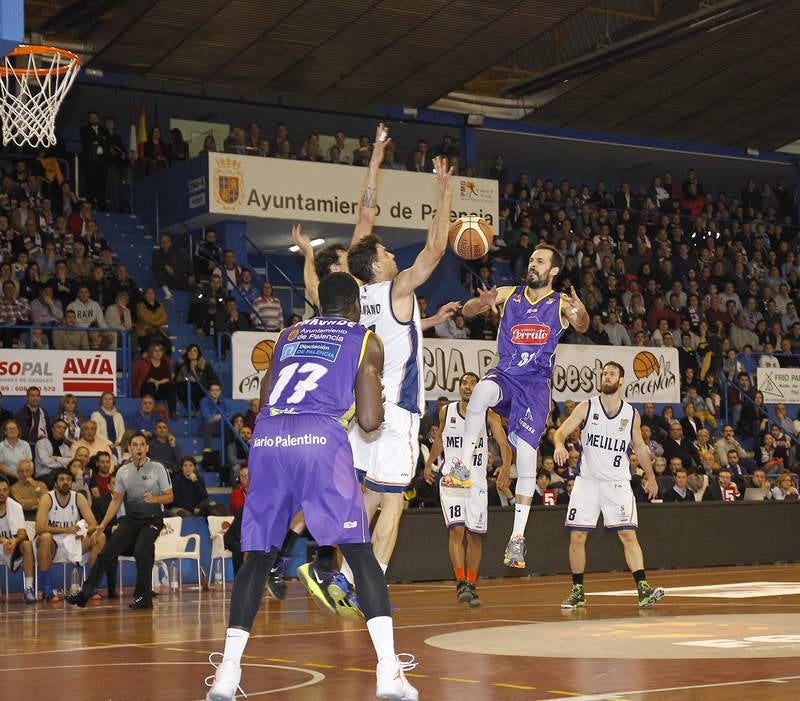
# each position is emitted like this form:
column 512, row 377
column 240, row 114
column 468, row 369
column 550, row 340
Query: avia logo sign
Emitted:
column 530, row 334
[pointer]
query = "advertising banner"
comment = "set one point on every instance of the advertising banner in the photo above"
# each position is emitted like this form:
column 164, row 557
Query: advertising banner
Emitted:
column 55, row 372
column 651, row 374
column 779, row 385
column 325, row 192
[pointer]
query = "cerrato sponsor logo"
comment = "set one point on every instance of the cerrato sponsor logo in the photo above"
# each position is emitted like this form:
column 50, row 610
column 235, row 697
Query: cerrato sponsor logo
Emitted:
column 530, row 334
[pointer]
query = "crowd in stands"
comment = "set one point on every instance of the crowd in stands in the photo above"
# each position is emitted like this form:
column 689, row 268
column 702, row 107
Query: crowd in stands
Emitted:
column 674, row 264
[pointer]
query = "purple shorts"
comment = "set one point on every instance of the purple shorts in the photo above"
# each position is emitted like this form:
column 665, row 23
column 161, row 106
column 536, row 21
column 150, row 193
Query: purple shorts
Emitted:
column 525, row 402
column 302, row 462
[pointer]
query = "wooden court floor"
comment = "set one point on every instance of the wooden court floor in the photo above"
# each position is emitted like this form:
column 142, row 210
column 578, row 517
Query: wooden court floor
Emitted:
column 723, row 633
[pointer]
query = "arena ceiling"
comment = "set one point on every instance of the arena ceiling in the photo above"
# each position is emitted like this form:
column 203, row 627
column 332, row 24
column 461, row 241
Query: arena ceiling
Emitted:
column 730, row 83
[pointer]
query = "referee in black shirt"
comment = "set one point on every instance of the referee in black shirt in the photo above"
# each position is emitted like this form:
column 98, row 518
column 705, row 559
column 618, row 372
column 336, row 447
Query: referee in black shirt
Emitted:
column 145, row 488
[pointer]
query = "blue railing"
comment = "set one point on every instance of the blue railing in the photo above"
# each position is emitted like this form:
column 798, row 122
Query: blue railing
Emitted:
column 123, row 350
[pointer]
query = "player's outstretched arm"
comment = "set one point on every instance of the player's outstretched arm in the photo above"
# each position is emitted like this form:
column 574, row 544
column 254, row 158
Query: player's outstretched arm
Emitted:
column 573, row 421
column 436, row 449
column 368, row 204
column 443, row 314
column 86, row 512
column 436, row 242
column 575, row 312
column 310, row 279
column 488, row 298
column 369, row 390
column 643, row 453
column 506, row 453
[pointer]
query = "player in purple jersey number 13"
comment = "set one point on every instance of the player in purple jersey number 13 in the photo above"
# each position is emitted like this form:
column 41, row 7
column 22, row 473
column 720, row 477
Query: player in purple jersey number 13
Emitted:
column 533, row 318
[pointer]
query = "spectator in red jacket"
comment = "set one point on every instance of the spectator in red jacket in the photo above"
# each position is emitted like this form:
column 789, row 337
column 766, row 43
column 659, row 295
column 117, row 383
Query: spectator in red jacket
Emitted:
column 240, row 491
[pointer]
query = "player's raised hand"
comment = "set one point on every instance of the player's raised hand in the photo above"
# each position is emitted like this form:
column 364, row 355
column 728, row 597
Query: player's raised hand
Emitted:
column 561, row 455
column 446, row 312
column 301, row 240
column 651, row 489
column 488, row 295
column 572, row 298
column 442, row 172
column 381, row 139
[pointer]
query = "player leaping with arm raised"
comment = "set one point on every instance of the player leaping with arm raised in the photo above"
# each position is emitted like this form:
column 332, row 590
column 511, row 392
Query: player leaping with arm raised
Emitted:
column 533, row 318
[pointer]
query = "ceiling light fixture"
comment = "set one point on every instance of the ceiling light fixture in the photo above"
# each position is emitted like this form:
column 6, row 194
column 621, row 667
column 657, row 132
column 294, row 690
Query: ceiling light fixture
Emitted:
column 314, row 244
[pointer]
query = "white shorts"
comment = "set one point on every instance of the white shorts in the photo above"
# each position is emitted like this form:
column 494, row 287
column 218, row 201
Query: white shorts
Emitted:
column 67, row 548
column 12, row 561
column 591, row 497
column 389, row 455
column 465, row 507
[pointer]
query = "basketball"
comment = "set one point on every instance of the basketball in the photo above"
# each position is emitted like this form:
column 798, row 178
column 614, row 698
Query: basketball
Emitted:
column 644, row 364
column 470, row 237
column 261, row 356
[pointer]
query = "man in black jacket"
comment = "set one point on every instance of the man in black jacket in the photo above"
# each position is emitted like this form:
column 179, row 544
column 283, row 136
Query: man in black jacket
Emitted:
column 721, row 490
column 94, row 145
column 33, row 420
column 171, row 266
column 676, row 446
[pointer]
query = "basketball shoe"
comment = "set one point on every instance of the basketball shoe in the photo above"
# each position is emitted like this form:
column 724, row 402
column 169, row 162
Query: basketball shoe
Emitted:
column 391, row 680
column 276, row 585
column 316, row 580
column 463, row 592
column 575, row 599
column 475, row 601
column 515, row 552
column 343, row 595
column 459, row 476
column 224, row 682
column 647, row 595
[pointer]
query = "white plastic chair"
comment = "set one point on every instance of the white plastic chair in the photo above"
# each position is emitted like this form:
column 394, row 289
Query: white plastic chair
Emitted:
column 171, row 545
column 217, row 525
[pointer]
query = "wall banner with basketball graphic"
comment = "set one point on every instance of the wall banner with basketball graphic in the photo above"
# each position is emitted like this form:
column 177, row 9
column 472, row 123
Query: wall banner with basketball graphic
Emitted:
column 651, row 374
column 252, row 355
column 274, row 188
column 56, row 372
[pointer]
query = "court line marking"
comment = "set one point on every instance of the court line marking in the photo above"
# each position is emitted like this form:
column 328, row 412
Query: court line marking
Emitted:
column 610, row 694
column 252, row 637
column 512, row 686
column 316, row 677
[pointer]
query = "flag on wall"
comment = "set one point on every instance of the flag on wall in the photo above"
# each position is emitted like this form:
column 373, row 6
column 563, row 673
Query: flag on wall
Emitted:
column 142, row 134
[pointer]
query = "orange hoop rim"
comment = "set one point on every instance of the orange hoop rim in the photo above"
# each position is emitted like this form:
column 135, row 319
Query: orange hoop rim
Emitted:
column 27, row 49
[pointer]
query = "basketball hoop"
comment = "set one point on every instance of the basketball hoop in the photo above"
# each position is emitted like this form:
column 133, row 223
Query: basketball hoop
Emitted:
column 33, row 83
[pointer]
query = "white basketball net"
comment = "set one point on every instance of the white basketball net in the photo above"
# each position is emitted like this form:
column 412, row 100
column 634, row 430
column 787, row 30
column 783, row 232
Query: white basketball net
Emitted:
column 33, row 83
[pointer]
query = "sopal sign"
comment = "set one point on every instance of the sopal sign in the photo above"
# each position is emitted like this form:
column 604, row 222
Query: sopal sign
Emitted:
column 326, row 192
column 55, row 372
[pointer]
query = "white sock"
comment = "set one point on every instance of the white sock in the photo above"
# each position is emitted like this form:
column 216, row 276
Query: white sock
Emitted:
column 382, row 634
column 485, row 395
column 383, row 567
column 235, row 643
column 28, row 582
column 521, row 512
column 347, row 572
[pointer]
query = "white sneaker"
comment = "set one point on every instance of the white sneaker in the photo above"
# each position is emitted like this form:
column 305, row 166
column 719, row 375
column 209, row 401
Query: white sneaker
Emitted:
column 391, row 680
column 225, row 681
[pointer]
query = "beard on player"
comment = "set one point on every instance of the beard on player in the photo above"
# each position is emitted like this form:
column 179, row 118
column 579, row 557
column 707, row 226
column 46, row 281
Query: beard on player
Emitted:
column 536, row 281
column 609, row 387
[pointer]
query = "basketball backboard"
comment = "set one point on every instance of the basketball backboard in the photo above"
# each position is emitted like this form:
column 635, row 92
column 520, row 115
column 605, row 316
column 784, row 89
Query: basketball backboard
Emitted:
column 12, row 24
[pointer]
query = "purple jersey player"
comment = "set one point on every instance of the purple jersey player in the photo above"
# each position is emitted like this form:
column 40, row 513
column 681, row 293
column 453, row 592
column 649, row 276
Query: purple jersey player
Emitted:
column 533, row 318
column 324, row 372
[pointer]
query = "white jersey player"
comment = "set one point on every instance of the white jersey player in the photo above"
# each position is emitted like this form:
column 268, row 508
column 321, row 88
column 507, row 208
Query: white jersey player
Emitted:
column 610, row 428
column 15, row 548
column 64, row 523
column 465, row 502
column 389, row 307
